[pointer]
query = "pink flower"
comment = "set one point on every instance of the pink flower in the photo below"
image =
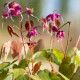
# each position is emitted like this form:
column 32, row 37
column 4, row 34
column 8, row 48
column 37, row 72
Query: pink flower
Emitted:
column 54, row 29
column 5, row 14
column 54, row 17
column 33, row 33
column 14, row 9
column 60, row 34
column 29, row 10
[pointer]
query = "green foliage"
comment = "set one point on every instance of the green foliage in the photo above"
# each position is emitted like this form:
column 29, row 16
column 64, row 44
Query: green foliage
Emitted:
column 3, row 65
column 77, row 60
column 3, row 74
column 58, row 54
column 46, row 75
column 9, row 77
column 67, row 68
column 19, row 74
column 63, row 77
column 23, row 64
column 34, row 77
column 76, row 76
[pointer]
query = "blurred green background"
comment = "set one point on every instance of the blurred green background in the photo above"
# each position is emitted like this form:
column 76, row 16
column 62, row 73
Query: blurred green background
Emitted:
column 69, row 9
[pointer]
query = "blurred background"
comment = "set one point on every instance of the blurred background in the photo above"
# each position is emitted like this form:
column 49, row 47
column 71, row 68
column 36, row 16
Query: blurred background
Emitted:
column 69, row 9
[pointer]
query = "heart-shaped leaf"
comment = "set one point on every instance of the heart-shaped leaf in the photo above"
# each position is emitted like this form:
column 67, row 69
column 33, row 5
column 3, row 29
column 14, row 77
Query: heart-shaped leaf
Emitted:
column 67, row 68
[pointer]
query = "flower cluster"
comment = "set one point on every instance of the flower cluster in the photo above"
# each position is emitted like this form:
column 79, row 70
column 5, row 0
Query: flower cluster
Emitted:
column 51, row 22
column 13, row 9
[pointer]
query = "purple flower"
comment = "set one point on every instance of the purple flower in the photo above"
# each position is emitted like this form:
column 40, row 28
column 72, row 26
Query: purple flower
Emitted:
column 54, row 17
column 33, row 33
column 60, row 34
column 29, row 10
column 14, row 9
column 54, row 29
column 5, row 14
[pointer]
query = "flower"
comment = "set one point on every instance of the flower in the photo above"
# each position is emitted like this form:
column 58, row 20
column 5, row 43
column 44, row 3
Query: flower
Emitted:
column 5, row 14
column 54, row 17
column 29, row 10
column 54, row 29
column 33, row 33
column 14, row 9
column 60, row 34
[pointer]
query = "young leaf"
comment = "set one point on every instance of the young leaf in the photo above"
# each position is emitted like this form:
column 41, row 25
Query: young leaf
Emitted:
column 58, row 54
column 37, row 67
column 58, row 23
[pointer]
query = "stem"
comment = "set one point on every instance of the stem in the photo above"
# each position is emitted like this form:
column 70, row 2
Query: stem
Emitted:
column 32, row 58
column 23, row 41
column 53, row 40
column 63, row 48
column 50, row 43
column 51, row 66
column 76, row 47
column 69, row 34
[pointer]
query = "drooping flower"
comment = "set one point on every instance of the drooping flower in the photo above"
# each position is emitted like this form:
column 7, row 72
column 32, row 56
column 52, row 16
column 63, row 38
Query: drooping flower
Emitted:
column 54, row 17
column 5, row 14
column 60, row 34
column 54, row 29
column 33, row 33
column 29, row 10
column 14, row 9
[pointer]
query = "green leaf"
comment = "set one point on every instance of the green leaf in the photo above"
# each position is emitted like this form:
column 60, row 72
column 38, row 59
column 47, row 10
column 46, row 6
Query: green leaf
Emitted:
column 3, row 74
column 3, row 65
column 77, row 60
column 58, row 54
column 46, row 75
column 18, row 71
column 19, row 74
column 36, row 55
column 67, row 68
column 34, row 77
column 76, row 76
column 9, row 77
column 63, row 76
column 23, row 77
column 54, row 76
column 45, row 54
column 23, row 64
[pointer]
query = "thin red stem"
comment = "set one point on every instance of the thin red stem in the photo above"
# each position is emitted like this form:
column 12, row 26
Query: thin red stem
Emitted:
column 63, row 48
column 76, row 46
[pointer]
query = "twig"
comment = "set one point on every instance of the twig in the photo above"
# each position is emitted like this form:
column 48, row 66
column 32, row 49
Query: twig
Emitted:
column 76, row 46
column 63, row 48
column 69, row 34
